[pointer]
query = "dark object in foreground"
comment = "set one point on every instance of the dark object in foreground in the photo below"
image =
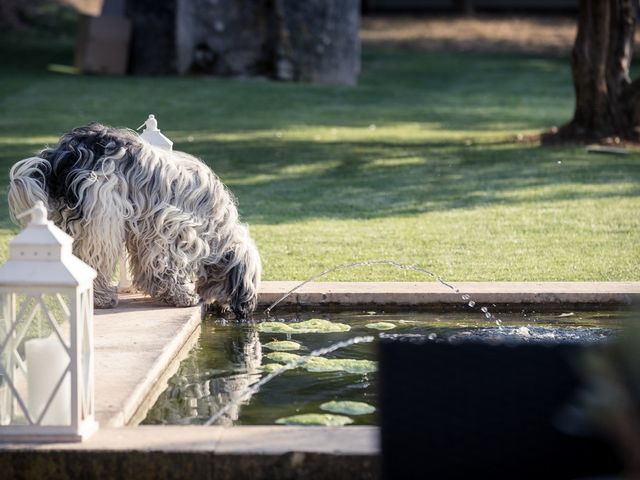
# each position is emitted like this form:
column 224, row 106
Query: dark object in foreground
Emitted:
column 476, row 410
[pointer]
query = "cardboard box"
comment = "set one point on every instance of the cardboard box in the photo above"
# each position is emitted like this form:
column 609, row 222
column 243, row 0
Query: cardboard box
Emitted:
column 103, row 44
column 87, row 7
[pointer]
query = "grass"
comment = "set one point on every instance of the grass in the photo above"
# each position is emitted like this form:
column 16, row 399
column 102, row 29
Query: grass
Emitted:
column 414, row 164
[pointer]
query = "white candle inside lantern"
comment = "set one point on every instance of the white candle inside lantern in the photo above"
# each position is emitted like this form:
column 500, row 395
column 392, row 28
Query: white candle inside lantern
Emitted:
column 46, row 360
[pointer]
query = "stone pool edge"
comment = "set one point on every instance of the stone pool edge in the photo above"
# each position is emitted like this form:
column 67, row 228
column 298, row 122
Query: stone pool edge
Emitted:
column 257, row 452
column 435, row 295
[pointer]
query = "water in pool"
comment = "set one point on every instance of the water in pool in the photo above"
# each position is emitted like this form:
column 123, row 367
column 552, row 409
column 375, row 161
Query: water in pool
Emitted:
column 230, row 357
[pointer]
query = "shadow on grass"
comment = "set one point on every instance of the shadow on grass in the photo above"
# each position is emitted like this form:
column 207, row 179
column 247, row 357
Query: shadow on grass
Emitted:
column 427, row 102
column 288, row 181
column 455, row 91
column 306, row 180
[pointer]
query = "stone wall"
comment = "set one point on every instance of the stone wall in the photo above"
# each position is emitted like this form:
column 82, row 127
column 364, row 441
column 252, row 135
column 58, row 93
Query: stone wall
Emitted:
column 312, row 41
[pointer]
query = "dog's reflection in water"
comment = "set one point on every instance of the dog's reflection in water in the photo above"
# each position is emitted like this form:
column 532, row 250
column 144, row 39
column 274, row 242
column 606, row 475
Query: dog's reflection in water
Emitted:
column 193, row 395
column 245, row 351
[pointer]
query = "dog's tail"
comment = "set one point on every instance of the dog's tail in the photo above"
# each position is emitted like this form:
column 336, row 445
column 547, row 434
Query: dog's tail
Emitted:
column 27, row 185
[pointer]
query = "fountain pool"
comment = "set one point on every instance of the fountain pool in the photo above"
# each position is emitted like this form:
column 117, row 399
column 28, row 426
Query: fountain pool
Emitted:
column 230, row 357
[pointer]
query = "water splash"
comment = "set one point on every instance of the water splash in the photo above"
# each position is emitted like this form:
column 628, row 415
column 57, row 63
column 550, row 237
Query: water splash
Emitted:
column 402, row 266
column 346, row 266
column 288, row 366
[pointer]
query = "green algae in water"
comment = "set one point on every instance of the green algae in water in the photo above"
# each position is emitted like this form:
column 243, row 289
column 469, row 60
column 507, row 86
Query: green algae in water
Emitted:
column 282, row 346
column 315, row 325
column 271, row 367
column 348, row 407
column 380, row 326
column 325, row 419
column 282, row 357
column 321, row 364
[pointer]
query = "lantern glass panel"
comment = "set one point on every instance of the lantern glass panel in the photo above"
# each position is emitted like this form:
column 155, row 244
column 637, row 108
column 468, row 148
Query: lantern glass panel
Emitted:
column 36, row 352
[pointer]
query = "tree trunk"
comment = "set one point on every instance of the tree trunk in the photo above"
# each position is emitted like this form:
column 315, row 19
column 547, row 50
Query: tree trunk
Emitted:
column 607, row 102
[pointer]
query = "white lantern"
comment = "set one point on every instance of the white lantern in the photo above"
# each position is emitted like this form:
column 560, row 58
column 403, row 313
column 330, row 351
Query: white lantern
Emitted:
column 46, row 337
column 152, row 135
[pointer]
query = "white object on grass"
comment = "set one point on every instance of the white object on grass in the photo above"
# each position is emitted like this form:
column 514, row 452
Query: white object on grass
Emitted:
column 152, row 135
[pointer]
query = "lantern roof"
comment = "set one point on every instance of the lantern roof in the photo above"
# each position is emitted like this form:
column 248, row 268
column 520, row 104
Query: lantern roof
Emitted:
column 152, row 135
column 41, row 256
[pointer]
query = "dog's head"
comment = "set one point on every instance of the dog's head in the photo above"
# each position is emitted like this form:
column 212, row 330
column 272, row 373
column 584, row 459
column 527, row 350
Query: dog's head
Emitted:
column 234, row 283
column 242, row 278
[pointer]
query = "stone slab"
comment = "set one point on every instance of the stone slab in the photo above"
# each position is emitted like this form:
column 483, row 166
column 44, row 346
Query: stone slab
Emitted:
column 417, row 294
column 153, row 452
column 254, row 440
column 275, row 440
column 138, row 345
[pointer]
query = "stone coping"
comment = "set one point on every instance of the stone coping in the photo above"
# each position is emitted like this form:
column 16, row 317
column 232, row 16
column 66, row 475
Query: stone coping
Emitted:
column 249, row 440
column 159, row 452
column 416, row 294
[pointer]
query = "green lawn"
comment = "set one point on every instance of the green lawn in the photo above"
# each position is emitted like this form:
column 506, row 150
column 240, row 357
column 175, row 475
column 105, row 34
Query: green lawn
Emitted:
column 414, row 164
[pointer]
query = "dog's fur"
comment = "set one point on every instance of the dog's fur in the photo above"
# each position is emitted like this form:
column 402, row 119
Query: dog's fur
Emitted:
column 108, row 189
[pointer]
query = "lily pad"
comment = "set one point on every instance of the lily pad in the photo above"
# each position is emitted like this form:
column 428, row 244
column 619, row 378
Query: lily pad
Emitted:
column 282, row 346
column 315, row 325
column 320, row 364
column 325, row 419
column 348, row 407
column 380, row 326
column 282, row 357
column 271, row 367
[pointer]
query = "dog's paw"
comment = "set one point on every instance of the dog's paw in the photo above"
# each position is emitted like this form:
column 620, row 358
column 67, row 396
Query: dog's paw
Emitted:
column 105, row 302
column 184, row 300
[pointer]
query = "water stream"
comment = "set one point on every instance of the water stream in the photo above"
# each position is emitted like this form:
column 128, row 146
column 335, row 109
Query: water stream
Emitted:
column 402, row 266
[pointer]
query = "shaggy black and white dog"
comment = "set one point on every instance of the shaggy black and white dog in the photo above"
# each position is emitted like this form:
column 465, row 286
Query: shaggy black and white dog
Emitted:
column 110, row 190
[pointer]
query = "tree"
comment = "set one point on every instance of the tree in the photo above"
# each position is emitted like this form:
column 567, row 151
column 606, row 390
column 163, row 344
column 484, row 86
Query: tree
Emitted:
column 607, row 101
